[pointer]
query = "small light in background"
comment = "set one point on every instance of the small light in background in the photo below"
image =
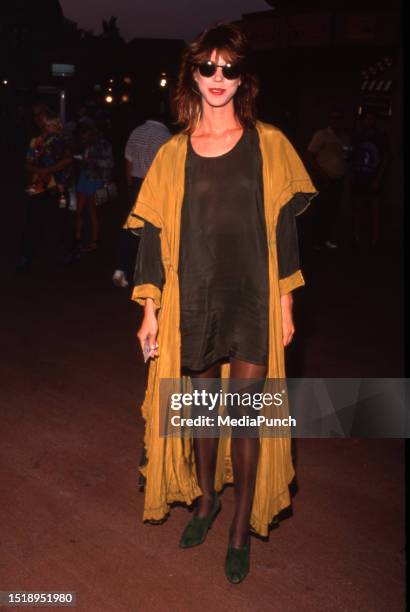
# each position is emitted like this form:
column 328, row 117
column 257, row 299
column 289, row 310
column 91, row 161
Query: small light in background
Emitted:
column 111, row 80
column 5, row 82
column 110, row 89
column 163, row 82
column 127, row 80
column 125, row 98
column 109, row 99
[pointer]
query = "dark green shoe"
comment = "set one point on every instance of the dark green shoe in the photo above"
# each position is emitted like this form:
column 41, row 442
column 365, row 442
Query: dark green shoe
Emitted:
column 196, row 530
column 237, row 563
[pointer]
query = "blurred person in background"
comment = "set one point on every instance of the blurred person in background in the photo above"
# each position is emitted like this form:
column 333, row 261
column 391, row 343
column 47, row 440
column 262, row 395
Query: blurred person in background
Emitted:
column 327, row 160
column 48, row 161
column 96, row 163
column 371, row 154
column 53, row 146
column 85, row 115
column 141, row 148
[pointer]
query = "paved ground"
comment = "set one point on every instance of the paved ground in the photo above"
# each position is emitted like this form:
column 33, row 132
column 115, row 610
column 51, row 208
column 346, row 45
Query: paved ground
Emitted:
column 71, row 432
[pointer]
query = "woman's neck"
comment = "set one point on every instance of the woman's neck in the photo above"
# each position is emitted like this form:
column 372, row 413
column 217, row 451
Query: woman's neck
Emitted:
column 217, row 120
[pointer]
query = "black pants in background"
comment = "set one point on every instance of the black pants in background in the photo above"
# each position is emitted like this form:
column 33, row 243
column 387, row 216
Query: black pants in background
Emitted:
column 128, row 242
column 41, row 213
column 326, row 209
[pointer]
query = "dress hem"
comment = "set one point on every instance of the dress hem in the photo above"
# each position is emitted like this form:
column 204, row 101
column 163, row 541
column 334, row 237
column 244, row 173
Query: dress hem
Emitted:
column 224, row 358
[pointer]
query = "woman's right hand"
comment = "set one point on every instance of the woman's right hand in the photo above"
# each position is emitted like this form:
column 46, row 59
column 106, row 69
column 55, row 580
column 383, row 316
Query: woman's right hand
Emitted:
column 149, row 329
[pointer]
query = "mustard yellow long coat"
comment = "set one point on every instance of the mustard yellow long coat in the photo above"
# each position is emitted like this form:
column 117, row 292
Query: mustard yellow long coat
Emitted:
column 170, row 469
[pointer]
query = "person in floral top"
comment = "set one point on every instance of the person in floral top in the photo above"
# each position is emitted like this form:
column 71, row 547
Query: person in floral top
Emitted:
column 47, row 155
column 48, row 161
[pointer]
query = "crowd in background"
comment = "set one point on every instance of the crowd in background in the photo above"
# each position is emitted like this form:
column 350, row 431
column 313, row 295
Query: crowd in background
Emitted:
column 69, row 171
column 333, row 155
column 68, row 167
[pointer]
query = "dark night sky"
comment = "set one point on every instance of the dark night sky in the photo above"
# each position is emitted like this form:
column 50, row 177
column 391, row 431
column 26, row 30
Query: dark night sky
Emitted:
column 158, row 18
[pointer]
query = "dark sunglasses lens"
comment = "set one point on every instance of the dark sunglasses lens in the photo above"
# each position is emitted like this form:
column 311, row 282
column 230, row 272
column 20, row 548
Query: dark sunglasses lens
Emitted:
column 231, row 71
column 207, row 69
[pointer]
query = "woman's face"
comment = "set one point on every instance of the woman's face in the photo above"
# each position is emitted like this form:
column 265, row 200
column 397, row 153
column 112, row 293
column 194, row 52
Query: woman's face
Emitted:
column 216, row 91
column 50, row 129
column 39, row 119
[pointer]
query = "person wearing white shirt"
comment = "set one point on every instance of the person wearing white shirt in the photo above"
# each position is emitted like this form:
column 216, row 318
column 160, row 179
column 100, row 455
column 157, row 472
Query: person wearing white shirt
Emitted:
column 140, row 150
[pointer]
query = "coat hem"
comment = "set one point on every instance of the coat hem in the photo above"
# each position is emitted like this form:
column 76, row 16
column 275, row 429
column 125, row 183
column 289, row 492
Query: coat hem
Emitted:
column 261, row 527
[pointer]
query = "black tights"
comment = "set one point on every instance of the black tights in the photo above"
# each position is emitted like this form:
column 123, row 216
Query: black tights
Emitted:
column 244, row 455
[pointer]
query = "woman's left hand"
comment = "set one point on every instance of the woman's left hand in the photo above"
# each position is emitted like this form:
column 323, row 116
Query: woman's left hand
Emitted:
column 288, row 327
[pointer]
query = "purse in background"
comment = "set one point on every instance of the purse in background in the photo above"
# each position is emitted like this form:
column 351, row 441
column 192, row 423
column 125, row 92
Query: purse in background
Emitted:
column 106, row 194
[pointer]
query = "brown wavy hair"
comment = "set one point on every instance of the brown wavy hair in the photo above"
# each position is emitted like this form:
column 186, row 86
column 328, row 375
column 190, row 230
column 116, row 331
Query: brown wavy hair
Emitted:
column 229, row 42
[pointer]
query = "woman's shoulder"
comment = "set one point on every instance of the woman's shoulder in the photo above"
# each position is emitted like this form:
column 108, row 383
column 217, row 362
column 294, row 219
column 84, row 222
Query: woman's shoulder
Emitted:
column 171, row 147
column 175, row 141
column 274, row 140
column 270, row 131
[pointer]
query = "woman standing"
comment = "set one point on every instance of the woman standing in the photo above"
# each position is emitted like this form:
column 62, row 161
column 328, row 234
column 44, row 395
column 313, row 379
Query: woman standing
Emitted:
column 96, row 165
column 218, row 261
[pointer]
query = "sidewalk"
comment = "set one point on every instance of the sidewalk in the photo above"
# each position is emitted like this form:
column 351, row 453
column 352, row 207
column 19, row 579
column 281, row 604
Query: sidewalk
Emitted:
column 71, row 438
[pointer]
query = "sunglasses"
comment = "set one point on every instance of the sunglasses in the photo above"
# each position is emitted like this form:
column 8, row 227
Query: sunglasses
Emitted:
column 230, row 71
